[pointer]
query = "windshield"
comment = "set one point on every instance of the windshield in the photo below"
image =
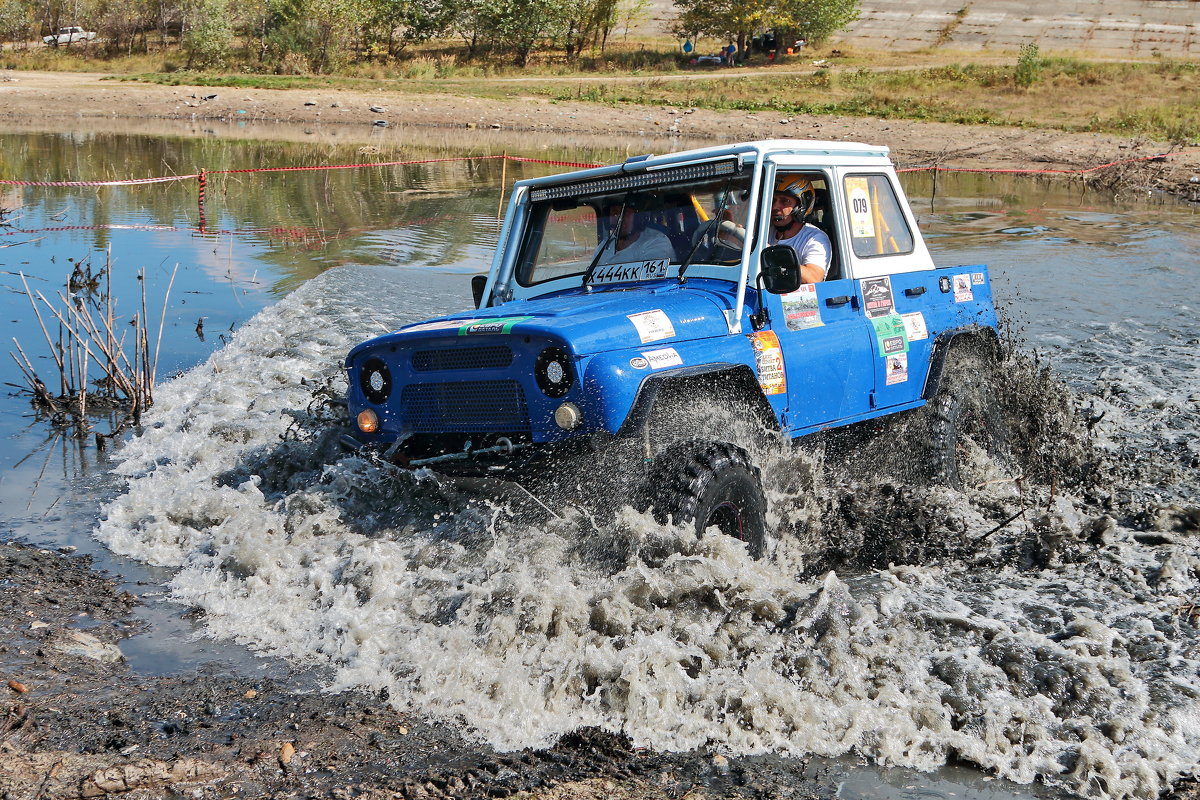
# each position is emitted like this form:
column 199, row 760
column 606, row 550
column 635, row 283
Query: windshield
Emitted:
column 636, row 233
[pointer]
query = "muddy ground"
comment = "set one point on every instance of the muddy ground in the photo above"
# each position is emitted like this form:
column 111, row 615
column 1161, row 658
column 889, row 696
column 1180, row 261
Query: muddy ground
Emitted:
column 75, row 722
column 41, row 101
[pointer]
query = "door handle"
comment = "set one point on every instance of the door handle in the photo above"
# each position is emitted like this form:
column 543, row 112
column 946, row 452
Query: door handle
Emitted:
column 915, row 291
column 839, row 300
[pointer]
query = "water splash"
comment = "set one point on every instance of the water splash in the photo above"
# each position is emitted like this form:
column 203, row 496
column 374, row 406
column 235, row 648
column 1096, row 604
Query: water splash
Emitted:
column 893, row 618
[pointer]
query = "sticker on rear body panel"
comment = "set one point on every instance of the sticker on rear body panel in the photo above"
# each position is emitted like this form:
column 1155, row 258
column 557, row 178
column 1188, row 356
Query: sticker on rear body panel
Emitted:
column 652, row 325
column 977, row 278
column 800, row 308
column 877, row 296
column 889, row 333
column 768, row 359
column 477, row 327
column 897, row 368
column 635, row 271
column 962, row 288
column 658, row 359
column 914, row 326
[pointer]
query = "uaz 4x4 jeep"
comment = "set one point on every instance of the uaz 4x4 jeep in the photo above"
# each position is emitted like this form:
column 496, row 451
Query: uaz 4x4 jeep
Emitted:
column 580, row 347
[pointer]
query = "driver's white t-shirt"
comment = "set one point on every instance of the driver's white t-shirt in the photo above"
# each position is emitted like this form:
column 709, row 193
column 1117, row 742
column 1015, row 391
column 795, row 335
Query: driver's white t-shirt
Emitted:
column 651, row 245
column 810, row 243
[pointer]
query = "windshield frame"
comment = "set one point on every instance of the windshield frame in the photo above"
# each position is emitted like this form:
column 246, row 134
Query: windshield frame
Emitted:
column 502, row 287
column 574, row 227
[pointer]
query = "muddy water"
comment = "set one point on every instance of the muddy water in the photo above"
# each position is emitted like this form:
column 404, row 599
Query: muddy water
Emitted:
column 892, row 621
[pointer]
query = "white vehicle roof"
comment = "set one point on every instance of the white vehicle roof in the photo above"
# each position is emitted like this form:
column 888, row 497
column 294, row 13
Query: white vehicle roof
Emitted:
column 817, row 152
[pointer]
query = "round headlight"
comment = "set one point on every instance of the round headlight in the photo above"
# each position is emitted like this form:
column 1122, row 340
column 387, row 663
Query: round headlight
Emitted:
column 368, row 421
column 568, row 416
column 375, row 380
column 553, row 372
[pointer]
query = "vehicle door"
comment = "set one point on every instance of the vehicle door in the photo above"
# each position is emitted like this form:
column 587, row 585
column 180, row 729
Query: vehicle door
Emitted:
column 827, row 357
column 896, row 287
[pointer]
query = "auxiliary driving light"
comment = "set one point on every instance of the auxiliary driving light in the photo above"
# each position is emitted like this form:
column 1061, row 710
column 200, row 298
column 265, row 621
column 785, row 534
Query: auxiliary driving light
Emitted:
column 375, row 379
column 553, row 372
column 568, row 416
column 368, row 421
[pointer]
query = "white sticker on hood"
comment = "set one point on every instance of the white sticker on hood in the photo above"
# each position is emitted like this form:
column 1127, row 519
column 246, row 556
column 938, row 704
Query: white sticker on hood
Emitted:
column 652, row 325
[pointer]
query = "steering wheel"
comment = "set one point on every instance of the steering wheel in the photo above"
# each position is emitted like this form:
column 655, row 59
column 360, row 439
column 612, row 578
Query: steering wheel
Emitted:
column 719, row 240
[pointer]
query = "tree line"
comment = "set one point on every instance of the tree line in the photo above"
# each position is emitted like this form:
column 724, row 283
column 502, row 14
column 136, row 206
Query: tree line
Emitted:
column 323, row 36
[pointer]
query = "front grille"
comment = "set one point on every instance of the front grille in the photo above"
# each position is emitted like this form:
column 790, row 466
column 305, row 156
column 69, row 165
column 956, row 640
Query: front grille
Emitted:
column 478, row 406
column 494, row 357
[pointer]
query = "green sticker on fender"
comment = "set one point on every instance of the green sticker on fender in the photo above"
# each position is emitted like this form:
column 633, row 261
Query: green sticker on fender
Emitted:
column 492, row 325
column 889, row 333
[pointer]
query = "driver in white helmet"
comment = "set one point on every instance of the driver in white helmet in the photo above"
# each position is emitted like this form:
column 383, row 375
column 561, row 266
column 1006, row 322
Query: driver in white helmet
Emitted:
column 792, row 203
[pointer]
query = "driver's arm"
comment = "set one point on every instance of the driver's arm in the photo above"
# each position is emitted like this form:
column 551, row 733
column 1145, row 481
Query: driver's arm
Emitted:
column 811, row 273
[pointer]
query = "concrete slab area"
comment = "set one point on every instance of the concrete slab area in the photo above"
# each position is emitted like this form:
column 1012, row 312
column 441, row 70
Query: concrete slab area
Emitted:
column 1106, row 28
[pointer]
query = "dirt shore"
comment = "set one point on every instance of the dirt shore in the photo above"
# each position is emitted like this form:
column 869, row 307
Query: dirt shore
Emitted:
column 32, row 101
column 75, row 722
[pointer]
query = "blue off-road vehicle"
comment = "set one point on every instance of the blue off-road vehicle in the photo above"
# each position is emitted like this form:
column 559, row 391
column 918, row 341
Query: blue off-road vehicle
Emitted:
column 636, row 320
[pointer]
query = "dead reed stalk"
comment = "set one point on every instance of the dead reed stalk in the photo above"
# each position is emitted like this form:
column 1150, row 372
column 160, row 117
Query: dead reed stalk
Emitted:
column 87, row 339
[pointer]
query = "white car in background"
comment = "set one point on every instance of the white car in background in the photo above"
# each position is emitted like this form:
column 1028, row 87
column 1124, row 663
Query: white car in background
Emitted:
column 67, row 35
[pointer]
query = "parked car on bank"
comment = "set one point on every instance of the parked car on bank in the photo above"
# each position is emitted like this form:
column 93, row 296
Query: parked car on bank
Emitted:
column 575, row 350
column 69, row 35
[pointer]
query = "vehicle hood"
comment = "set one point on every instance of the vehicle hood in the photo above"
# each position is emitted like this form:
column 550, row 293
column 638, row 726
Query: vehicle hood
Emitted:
column 589, row 323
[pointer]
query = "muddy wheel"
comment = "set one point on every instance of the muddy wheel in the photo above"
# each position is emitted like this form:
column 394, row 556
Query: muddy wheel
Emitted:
column 709, row 484
column 968, row 433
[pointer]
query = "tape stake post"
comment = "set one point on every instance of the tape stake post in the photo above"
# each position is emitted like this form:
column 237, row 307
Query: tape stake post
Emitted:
column 203, row 181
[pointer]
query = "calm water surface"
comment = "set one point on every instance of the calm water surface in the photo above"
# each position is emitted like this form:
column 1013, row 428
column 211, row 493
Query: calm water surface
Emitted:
column 1106, row 292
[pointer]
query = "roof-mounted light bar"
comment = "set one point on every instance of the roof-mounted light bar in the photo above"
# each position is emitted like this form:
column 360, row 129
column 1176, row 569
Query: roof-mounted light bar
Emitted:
column 640, row 180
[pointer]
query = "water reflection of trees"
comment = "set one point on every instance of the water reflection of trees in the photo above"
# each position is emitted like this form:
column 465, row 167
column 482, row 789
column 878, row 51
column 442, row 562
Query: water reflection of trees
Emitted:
column 430, row 215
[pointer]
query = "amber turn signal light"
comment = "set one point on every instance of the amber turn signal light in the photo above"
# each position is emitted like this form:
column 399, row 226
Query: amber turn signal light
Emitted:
column 368, row 421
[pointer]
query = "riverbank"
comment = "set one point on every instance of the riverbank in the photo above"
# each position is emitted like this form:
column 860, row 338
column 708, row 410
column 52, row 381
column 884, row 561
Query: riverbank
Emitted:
column 40, row 101
column 75, row 722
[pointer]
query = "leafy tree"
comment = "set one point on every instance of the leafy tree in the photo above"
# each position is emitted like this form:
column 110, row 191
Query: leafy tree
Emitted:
column 17, row 23
column 392, row 25
column 632, row 12
column 738, row 20
column 209, row 34
column 816, row 20
column 512, row 27
column 587, row 22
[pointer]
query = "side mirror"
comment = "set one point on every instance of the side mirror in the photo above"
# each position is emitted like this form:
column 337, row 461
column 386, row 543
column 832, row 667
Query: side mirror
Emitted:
column 780, row 269
column 478, row 283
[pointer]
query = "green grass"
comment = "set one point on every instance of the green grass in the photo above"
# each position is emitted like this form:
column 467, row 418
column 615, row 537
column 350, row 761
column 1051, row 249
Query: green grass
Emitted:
column 1154, row 100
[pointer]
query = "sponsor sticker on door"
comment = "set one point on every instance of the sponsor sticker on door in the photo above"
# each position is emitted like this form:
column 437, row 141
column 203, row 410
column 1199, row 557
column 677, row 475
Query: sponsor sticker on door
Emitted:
column 889, row 333
column 914, row 326
column 768, row 358
column 800, row 308
column 877, row 296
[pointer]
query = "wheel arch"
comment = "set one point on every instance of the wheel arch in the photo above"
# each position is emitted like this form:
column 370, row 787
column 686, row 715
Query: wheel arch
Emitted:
column 668, row 386
column 946, row 341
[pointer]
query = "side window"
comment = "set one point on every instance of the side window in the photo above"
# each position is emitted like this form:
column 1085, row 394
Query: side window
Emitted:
column 877, row 225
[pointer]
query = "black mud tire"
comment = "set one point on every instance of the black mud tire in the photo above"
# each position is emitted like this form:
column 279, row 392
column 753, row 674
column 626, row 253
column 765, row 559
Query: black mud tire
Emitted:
column 965, row 415
column 709, row 484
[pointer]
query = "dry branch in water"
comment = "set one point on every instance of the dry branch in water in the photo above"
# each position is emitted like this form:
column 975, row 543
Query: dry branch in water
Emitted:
column 86, row 340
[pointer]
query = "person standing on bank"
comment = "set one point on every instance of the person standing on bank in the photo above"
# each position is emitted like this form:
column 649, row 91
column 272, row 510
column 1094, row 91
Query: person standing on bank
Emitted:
column 793, row 201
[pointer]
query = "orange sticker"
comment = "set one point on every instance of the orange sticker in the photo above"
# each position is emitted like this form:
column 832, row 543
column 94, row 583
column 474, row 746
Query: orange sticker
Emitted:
column 768, row 358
